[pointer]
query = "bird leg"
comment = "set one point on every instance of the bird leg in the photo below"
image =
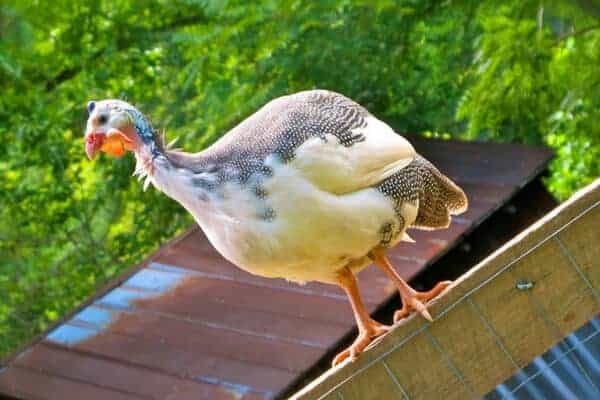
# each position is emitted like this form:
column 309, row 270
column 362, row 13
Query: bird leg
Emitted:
column 368, row 329
column 411, row 299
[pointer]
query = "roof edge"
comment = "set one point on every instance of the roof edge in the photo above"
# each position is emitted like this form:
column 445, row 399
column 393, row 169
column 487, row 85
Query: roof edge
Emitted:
column 499, row 261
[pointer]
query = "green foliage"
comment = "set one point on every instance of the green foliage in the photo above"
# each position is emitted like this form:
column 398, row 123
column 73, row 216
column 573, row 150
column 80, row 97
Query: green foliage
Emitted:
column 536, row 79
column 508, row 71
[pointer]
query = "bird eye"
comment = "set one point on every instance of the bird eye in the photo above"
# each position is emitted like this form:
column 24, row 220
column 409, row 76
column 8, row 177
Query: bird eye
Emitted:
column 102, row 119
column 90, row 106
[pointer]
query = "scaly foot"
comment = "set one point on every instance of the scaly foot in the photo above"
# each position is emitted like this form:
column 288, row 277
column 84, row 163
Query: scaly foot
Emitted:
column 365, row 336
column 415, row 301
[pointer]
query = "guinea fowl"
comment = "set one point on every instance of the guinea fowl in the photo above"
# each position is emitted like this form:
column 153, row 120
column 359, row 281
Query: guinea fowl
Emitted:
column 311, row 187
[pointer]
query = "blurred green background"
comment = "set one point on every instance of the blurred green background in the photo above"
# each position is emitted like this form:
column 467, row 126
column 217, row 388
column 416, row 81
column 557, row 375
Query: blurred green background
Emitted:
column 510, row 71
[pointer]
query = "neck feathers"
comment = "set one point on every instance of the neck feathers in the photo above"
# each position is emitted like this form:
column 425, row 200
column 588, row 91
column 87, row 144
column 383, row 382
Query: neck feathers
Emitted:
column 177, row 174
column 184, row 177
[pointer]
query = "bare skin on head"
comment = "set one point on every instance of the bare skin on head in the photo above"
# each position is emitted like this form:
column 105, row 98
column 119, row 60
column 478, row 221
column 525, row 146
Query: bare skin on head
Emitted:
column 100, row 135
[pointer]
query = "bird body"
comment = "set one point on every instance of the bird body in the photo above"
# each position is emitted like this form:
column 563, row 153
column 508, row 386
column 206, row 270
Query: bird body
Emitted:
column 311, row 187
column 298, row 232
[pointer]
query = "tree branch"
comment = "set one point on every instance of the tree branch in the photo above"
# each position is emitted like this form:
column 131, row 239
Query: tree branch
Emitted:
column 69, row 73
column 590, row 7
column 576, row 33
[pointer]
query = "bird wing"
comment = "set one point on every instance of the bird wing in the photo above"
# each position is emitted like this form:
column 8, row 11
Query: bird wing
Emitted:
column 331, row 140
column 375, row 154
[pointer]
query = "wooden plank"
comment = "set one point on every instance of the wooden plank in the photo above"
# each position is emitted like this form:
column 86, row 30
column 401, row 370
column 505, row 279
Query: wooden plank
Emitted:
column 522, row 322
column 333, row 396
column 563, row 295
column 32, row 385
column 557, row 304
column 479, row 358
column 569, row 212
column 373, row 384
column 108, row 374
column 582, row 241
column 436, row 381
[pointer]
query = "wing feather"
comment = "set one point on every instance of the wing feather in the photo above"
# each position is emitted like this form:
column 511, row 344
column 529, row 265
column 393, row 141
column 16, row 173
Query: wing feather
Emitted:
column 332, row 140
column 338, row 168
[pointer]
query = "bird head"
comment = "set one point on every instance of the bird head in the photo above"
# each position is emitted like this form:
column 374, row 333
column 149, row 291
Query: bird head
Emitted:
column 115, row 127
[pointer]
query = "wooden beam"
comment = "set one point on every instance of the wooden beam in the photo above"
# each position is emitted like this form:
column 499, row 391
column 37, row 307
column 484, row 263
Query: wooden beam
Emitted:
column 511, row 308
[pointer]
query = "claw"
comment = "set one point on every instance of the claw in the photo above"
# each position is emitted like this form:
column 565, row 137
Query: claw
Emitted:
column 401, row 314
column 411, row 299
column 415, row 302
column 420, row 308
column 425, row 314
column 341, row 357
column 437, row 289
column 365, row 337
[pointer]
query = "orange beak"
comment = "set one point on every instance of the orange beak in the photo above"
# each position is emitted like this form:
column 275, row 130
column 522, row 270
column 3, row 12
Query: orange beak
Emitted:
column 115, row 143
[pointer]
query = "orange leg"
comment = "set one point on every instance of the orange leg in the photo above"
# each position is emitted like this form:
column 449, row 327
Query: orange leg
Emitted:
column 411, row 299
column 368, row 329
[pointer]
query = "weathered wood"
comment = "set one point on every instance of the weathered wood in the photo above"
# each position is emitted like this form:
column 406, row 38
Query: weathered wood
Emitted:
column 582, row 240
column 423, row 382
column 511, row 308
column 479, row 358
column 373, row 384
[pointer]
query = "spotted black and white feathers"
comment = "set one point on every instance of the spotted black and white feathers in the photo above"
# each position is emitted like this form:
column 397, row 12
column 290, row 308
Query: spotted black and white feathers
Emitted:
column 309, row 184
column 277, row 130
column 333, row 140
column 311, row 187
column 422, row 184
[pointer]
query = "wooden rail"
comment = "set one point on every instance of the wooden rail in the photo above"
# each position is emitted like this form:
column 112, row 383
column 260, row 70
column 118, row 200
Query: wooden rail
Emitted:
column 512, row 307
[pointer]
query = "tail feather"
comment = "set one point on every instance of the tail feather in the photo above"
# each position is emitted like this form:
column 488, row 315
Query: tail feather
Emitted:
column 439, row 198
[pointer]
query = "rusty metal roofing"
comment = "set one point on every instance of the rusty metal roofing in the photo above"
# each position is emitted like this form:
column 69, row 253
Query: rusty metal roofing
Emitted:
column 187, row 324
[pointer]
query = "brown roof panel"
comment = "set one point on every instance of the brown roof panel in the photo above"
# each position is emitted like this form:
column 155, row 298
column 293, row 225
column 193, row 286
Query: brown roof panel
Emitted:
column 188, row 324
column 112, row 375
column 31, row 384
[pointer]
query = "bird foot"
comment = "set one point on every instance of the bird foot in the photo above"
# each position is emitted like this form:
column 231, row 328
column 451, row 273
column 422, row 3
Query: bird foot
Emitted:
column 415, row 301
column 365, row 337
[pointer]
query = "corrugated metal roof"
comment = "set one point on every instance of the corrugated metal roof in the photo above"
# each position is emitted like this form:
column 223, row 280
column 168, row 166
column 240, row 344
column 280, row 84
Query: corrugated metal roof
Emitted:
column 186, row 323
column 569, row 370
